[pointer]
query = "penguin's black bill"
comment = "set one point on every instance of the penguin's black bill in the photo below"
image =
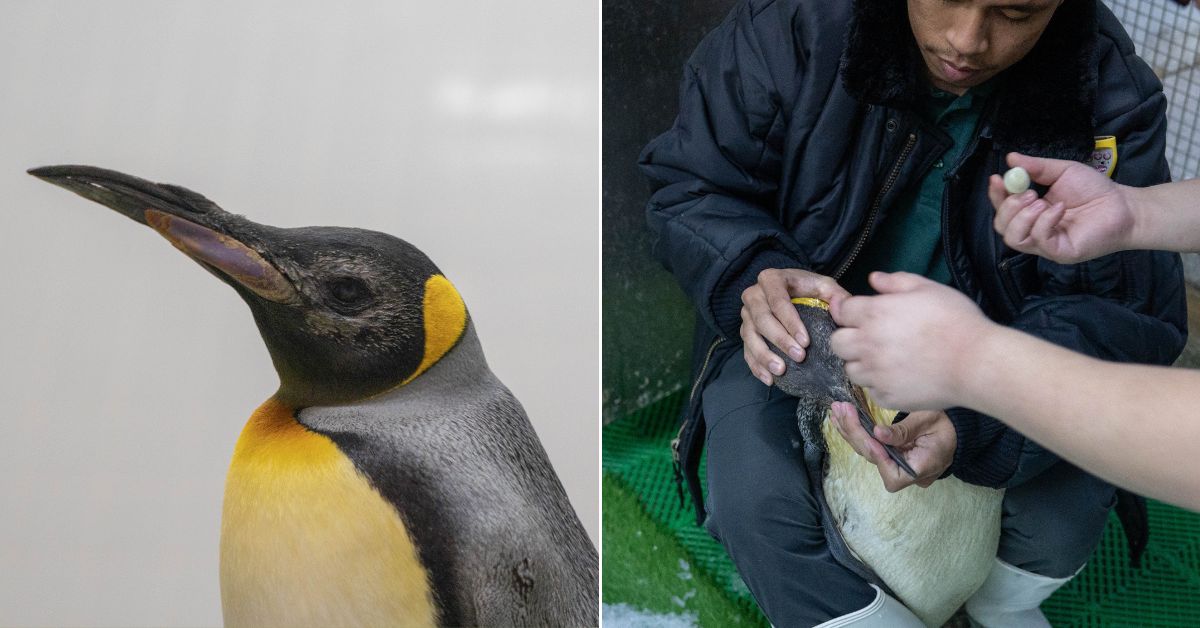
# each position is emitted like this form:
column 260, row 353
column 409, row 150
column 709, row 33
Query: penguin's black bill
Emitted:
column 186, row 219
column 126, row 194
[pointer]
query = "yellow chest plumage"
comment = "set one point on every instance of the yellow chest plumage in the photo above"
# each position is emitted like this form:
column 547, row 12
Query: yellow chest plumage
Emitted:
column 306, row 540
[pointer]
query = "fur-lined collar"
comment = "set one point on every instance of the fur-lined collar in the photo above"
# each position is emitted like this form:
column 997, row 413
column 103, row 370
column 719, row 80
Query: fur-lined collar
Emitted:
column 1045, row 101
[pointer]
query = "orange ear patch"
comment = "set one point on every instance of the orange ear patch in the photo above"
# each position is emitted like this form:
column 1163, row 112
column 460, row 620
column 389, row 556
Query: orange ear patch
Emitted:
column 445, row 320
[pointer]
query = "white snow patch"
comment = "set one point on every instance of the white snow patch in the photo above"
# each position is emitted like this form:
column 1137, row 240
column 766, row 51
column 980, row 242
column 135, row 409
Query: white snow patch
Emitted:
column 685, row 570
column 681, row 602
column 626, row 616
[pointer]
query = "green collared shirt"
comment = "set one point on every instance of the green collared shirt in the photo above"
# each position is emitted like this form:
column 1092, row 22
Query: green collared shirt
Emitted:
column 910, row 237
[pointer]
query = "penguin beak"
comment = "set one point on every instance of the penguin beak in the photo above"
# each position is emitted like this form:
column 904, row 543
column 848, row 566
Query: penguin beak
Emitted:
column 865, row 419
column 190, row 222
column 224, row 253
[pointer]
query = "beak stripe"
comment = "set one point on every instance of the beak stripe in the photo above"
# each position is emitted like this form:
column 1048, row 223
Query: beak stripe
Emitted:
column 233, row 258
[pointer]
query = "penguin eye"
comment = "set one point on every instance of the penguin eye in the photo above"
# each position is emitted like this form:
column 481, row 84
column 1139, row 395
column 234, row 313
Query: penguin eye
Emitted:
column 350, row 294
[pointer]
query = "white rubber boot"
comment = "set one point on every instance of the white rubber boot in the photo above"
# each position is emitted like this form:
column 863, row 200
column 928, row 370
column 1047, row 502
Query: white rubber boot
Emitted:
column 1012, row 597
column 884, row 611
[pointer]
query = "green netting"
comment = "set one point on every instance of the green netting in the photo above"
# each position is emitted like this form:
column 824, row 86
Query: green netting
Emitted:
column 1165, row 591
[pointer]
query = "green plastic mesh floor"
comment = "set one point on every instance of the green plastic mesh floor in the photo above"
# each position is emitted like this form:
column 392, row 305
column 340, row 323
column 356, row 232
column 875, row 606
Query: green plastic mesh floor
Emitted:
column 1165, row 591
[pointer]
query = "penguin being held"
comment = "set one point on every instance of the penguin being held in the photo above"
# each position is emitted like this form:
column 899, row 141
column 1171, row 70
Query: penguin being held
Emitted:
column 931, row 548
column 392, row 480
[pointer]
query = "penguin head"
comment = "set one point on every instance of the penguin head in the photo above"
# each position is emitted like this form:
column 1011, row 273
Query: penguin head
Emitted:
column 345, row 313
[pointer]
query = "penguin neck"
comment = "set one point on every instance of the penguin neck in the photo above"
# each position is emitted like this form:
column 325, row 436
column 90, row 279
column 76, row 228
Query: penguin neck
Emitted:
column 457, row 371
column 462, row 364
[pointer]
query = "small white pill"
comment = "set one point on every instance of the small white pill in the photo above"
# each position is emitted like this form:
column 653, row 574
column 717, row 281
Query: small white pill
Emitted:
column 1016, row 180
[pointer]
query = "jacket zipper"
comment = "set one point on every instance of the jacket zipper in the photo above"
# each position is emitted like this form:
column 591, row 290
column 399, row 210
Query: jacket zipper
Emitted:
column 887, row 186
column 676, row 464
column 703, row 368
column 691, row 398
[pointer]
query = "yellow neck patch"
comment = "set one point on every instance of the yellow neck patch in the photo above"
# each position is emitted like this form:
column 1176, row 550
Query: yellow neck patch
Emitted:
column 307, row 541
column 445, row 320
column 810, row 302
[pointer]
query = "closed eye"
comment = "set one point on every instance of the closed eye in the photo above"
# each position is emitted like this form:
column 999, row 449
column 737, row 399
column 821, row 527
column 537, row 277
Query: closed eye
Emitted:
column 1014, row 15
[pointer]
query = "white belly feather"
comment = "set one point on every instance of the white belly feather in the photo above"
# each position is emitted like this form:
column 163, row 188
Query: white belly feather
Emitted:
column 933, row 546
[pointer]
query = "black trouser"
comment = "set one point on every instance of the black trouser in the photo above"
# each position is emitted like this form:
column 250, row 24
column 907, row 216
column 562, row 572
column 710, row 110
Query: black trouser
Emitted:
column 760, row 509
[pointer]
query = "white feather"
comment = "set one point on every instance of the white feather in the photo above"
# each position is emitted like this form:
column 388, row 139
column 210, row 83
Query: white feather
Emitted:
column 933, row 546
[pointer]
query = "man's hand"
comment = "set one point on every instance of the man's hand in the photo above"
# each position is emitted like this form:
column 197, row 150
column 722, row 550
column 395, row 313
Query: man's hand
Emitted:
column 1083, row 215
column 927, row 441
column 768, row 315
column 910, row 346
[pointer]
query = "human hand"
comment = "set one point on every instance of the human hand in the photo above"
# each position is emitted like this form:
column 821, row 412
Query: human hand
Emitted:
column 1083, row 215
column 908, row 346
column 927, row 441
column 768, row 315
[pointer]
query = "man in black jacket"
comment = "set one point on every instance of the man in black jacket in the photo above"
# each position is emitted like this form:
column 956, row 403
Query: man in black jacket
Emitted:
column 818, row 141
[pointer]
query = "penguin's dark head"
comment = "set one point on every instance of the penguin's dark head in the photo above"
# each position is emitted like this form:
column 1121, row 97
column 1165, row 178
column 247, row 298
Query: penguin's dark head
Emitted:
column 345, row 313
column 821, row 378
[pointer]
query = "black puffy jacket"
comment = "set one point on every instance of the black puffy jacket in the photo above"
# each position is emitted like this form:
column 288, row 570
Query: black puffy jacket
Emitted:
column 796, row 134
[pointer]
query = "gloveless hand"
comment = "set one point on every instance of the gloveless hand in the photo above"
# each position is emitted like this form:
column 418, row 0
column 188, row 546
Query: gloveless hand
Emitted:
column 768, row 315
column 1083, row 215
column 910, row 345
column 927, row 441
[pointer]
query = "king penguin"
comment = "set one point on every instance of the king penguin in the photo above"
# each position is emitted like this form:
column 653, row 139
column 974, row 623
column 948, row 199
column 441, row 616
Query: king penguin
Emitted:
column 931, row 548
column 392, row 480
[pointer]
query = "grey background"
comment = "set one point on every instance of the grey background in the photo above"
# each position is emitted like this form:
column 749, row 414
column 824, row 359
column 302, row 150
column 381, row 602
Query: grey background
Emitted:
column 126, row 372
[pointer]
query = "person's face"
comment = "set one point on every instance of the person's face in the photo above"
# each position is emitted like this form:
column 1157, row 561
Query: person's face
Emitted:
column 967, row 42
